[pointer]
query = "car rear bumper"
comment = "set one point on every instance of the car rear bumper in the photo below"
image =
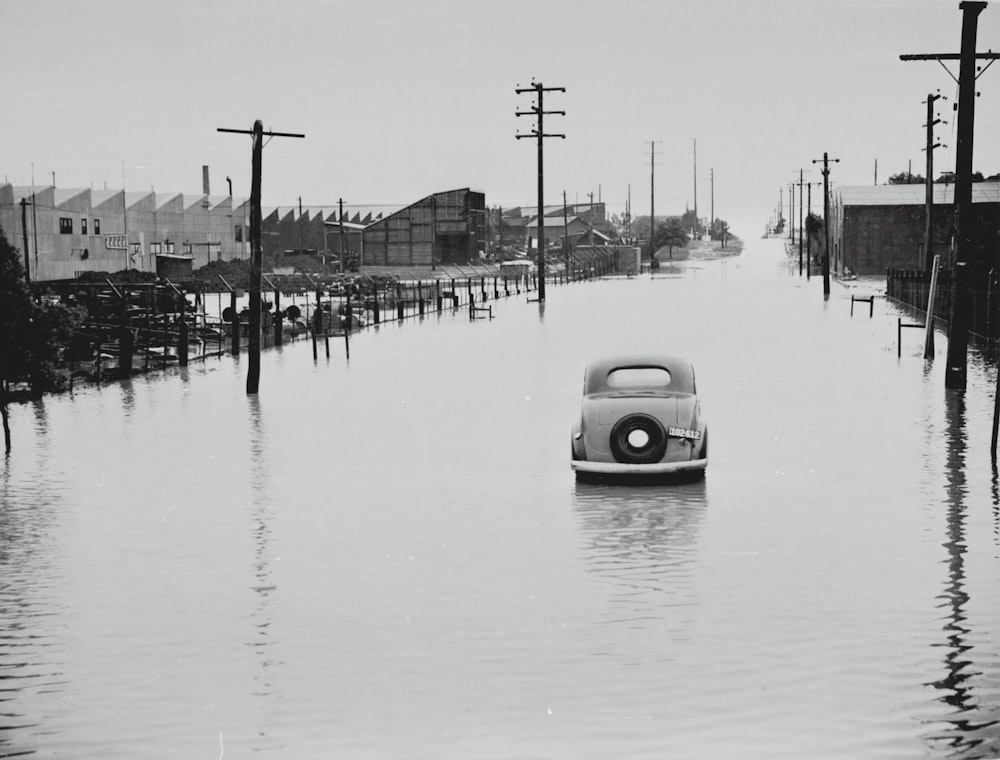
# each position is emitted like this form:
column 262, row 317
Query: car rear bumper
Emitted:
column 659, row 468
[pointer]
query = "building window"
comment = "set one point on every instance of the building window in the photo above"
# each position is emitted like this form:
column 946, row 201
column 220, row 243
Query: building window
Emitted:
column 188, row 250
column 83, row 226
column 97, row 226
column 169, row 247
column 65, row 225
column 238, row 233
column 155, row 249
column 215, row 251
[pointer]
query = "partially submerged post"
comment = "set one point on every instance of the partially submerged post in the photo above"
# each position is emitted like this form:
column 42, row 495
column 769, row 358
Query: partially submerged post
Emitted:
column 929, row 334
column 234, row 317
column 256, row 253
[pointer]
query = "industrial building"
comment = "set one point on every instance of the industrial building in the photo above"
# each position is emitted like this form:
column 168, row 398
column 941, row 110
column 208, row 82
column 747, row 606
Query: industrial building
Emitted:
column 877, row 227
column 70, row 231
column 580, row 223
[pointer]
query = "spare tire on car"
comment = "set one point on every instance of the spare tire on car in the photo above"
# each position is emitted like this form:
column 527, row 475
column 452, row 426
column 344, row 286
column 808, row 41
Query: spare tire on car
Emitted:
column 638, row 439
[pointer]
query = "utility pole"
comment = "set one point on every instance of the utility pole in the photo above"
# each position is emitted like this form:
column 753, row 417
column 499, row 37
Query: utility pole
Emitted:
column 966, row 256
column 24, row 235
column 565, row 234
column 800, row 222
column 628, row 214
column 256, row 253
column 791, row 211
column 711, row 221
column 696, row 186
column 340, row 216
column 652, row 202
column 302, row 245
column 539, row 133
column 929, row 181
column 826, row 220
column 809, row 201
column 34, row 229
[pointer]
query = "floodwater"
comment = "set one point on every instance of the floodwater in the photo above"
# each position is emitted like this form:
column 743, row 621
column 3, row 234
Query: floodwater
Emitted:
column 389, row 557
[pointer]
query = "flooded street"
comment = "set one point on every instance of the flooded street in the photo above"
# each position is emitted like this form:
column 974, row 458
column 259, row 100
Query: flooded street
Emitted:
column 390, row 558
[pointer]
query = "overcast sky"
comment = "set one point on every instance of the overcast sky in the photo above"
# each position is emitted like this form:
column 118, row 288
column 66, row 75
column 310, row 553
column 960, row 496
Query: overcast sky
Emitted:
column 399, row 99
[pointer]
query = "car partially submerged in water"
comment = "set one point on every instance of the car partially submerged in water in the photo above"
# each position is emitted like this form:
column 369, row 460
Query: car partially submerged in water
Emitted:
column 640, row 416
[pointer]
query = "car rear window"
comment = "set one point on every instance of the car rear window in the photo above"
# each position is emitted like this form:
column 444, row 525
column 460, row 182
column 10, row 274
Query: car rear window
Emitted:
column 633, row 378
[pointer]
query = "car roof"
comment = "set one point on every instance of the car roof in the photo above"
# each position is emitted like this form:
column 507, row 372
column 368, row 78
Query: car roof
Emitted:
column 681, row 371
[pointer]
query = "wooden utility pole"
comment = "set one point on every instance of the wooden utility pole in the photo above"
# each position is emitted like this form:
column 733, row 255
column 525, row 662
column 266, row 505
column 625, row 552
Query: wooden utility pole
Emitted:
column 791, row 211
column 538, row 110
column 652, row 201
column 800, row 222
column 302, row 245
column 711, row 221
column 809, row 201
column 967, row 263
column 340, row 214
column 826, row 220
column 929, row 182
column 695, row 186
column 256, row 252
column 565, row 234
column 24, row 235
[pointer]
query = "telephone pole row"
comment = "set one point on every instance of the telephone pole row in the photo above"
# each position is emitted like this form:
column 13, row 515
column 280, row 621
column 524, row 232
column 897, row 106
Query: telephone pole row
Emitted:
column 968, row 261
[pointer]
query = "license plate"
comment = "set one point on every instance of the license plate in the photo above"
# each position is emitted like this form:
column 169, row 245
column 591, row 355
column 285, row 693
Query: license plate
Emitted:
column 684, row 433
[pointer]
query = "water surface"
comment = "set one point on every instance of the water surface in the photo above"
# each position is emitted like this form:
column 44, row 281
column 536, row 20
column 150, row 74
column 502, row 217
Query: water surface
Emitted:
column 389, row 557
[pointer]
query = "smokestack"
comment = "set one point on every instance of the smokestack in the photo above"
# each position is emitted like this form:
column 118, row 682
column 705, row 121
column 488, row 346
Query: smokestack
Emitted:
column 204, row 180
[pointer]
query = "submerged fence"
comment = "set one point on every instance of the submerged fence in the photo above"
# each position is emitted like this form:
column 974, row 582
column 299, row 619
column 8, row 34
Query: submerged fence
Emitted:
column 142, row 326
column 911, row 287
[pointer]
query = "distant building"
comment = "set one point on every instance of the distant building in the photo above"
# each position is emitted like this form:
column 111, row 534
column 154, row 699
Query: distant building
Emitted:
column 443, row 228
column 78, row 229
column 577, row 221
column 877, row 227
column 71, row 231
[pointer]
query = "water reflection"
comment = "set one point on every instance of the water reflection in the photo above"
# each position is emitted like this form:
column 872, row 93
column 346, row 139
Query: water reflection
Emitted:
column 29, row 662
column 960, row 733
column 642, row 541
column 261, row 517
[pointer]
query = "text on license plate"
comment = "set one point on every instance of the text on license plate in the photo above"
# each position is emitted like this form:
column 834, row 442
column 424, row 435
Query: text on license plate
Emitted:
column 684, row 433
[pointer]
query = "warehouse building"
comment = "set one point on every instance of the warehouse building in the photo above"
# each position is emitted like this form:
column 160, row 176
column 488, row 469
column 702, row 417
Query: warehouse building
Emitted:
column 444, row 228
column 70, row 231
column 877, row 227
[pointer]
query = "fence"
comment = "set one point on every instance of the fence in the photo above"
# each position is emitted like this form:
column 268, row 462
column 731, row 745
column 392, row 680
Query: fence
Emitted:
column 911, row 287
column 158, row 325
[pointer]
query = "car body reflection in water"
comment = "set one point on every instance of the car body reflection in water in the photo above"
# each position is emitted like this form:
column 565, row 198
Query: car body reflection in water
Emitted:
column 641, row 541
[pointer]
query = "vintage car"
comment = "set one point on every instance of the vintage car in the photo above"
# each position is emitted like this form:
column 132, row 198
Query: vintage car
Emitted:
column 640, row 416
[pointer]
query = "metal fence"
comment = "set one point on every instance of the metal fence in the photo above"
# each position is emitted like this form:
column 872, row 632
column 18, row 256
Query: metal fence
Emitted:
column 911, row 287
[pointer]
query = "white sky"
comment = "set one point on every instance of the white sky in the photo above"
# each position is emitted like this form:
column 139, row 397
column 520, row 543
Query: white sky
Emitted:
column 400, row 99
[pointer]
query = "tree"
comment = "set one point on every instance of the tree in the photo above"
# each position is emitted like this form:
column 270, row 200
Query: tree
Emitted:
column 32, row 335
column 669, row 235
column 948, row 178
column 905, row 178
column 690, row 222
